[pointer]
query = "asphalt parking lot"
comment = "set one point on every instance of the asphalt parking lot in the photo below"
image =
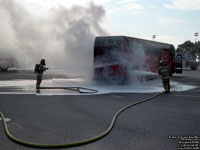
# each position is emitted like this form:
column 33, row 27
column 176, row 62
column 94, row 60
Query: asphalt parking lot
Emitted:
column 160, row 124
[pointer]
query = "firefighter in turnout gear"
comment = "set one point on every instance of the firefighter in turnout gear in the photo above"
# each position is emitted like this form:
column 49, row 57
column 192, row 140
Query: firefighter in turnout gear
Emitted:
column 39, row 69
column 164, row 72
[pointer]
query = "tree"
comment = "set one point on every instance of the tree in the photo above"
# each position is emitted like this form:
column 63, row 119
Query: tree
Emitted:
column 197, row 46
column 190, row 48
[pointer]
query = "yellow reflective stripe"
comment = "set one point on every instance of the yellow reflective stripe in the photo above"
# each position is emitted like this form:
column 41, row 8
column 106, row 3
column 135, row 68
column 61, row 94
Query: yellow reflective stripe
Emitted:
column 39, row 74
column 164, row 71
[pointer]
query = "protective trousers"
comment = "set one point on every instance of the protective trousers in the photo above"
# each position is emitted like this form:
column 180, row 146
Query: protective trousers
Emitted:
column 166, row 85
column 39, row 80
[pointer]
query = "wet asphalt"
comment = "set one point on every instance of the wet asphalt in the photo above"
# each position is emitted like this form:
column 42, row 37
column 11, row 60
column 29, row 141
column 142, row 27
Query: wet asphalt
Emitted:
column 65, row 119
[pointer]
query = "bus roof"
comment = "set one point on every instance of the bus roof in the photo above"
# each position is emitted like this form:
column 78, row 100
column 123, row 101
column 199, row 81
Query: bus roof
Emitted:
column 148, row 44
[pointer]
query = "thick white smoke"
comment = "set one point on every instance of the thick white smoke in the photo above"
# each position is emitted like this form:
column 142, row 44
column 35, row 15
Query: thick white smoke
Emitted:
column 65, row 38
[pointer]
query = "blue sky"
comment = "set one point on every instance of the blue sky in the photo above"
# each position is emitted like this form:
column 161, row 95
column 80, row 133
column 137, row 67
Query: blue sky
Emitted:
column 172, row 21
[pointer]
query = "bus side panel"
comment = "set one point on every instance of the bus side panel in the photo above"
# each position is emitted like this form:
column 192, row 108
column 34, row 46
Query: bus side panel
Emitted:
column 152, row 63
column 108, row 59
column 115, row 56
column 142, row 56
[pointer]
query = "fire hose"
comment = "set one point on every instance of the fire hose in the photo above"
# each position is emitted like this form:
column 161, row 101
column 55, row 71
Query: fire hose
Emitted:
column 79, row 89
column 78, row 143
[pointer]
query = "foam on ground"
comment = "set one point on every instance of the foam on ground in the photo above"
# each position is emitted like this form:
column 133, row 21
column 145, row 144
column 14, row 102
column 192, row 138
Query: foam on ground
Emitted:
column 28, row 86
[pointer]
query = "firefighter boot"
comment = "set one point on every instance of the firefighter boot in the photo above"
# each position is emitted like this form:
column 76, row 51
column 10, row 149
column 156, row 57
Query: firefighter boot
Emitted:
column 37, row 89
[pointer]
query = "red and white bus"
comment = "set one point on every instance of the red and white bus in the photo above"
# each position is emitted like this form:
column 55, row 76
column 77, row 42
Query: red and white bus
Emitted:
column 116, row 56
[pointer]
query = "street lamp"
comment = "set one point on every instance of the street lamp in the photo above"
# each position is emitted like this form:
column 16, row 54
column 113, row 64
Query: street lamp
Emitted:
column 195, row 45
column 154, row 36
column 196, row 35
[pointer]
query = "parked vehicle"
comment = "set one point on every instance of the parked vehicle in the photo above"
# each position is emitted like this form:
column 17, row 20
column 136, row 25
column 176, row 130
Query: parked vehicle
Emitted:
column 188, row 61
column 4, row 65
column 7, row 59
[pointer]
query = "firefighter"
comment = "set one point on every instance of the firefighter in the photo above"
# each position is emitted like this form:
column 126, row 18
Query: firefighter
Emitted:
column 164, row 72
column 39, row 69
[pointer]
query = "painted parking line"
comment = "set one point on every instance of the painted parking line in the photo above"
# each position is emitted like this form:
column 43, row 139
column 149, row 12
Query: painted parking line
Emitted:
column 7, row 119
column 118, row 96
column 16, row 93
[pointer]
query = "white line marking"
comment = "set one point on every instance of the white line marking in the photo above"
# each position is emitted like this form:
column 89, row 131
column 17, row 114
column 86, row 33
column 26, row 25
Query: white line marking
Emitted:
column 18, row 125
column 118, row 96
column 15, row 93
column 7, row 119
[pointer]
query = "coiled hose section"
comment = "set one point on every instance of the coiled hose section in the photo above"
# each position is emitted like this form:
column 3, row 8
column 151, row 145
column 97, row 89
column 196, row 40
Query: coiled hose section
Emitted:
column 78, row 143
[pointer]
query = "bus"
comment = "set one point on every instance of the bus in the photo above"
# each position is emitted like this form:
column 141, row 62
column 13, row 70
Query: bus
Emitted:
column 116, row 56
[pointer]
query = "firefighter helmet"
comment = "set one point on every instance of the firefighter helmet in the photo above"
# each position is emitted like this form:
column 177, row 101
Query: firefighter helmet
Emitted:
column 162, row 63
column 43, row 61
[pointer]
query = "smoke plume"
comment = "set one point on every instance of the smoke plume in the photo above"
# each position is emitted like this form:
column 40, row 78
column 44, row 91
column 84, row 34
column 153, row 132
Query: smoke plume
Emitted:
column 65, row 38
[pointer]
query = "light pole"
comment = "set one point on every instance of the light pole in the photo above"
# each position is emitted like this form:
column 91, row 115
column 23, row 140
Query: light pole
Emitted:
column 195, row 44
column 196, row 35
column 154, row 36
